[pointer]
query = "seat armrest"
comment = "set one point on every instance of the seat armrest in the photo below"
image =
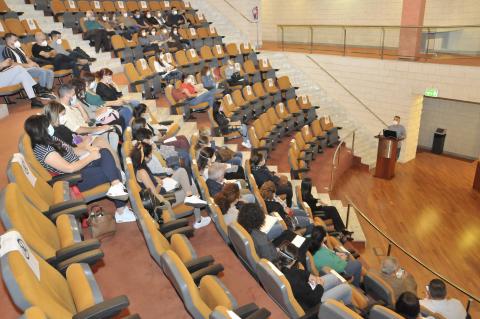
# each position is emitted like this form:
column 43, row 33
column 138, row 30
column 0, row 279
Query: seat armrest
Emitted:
column 199, row 263
column 166, row 123
column 71, row 178
column 89, row 257
column 106, row 309
column 311, row 313
column 135, row 83
column 263, row 148
column 312, row 143
column 172, row 225
column 210, row 270
column 76, row 249
column 260, row 314
column 246, row 310
column 187, row 231
column 66, row 204
column 301, row 170
column 76, row 211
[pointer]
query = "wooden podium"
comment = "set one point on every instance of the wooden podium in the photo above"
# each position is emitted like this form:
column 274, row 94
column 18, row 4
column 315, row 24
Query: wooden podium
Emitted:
column 476, row 179
column 386, row 157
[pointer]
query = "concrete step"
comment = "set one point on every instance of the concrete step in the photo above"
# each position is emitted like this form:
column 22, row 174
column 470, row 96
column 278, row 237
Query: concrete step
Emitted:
column 353, row 222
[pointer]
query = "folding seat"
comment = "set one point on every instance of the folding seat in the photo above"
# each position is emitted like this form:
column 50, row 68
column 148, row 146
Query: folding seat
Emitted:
column 183, row 63
column 308, row 109
column 25, row 147
column 218, row 220
column 60, row 244
column 380, row 312
column 286, row 117
column 248, row 53
column 6, row 91
column 84, row 6
column 280, row 125
column 58, row 9
column 155, row 5
column 71, row 6
column 243, row 244
column 201, row 20
column 51, row 201
column 120, row 6
column 205, row 37
column 273, row 90
column 3, row 29
column 109, row 6
column 98, row 6
column 42, row 5
column 195, row 41
column 132, row 6
column 332, row 309
column 218, row 52
column 33, row 282
column 220, row 312
column 179, row 5
column 257, row 105
column 143, row 5
column 212, row 33
column 194, row 59
column 258, row 145
column 266, row 69
column 207, row 56
column 311, row 139
column 234, row 53
column 135, row 80
column 332, row 130
column 215, row 129
column 270, row 127
column 259, row 92
column 72, row 14
column 120, row 50
column 298, row 167
column 286, row 87
column 379, row 289
column 252, row 72
column 295, row 110
column 149, row 75
column 247, row 107
column 318, row 133
column 165, row 5
column 177, row 107
column 31, row 26
column 3, row 7
column 263, row 134
column 309, row 149
column 232, row 111
column 16, row 27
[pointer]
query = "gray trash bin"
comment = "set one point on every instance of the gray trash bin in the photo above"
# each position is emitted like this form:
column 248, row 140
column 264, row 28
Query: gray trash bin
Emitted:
column 439, row 140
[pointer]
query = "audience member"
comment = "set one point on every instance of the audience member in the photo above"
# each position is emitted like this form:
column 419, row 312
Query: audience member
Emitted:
column 227, row 200
column 396, row 277
column 227, row 127
column 76, row 54
column 408, row 306
column 96, row 33
column 436, row 301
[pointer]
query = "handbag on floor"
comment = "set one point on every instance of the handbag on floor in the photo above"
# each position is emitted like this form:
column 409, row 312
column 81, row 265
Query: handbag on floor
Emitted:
column 101, row 224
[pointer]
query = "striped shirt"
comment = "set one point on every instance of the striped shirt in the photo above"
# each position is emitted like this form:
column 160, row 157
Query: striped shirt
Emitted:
column 16, row 54
column 42, row 151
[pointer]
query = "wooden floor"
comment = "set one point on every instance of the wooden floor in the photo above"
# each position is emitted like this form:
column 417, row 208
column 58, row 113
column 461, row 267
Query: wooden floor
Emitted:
column 429, row 209
column 370, row 53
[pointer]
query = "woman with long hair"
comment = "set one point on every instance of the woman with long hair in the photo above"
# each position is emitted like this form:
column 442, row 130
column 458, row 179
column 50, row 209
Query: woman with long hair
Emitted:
column 227, row 200
column 95, row 165
column 141, row 154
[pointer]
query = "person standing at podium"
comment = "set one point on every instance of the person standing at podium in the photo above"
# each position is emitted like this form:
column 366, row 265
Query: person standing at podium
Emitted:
column 401, row 132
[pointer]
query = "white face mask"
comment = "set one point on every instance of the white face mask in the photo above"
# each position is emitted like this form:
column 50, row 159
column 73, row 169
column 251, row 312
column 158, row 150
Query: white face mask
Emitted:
column 59, row 41
column 395, row 122
column 44, row 43
column 17, row 44
column 125, row 14
column 104, row 18
column 153, row 32
column 159, row 14
column 51, row 130
column 73, row 100
column 164, row 31
column 149, row 15
column 144, row 34
column 62, row 119
column 208, row 73
column 174, row 12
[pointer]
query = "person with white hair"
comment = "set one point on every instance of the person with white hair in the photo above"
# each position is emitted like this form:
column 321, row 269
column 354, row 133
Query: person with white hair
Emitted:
column 396, row 277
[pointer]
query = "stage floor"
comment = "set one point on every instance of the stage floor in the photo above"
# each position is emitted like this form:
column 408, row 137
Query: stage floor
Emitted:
column 428, row 208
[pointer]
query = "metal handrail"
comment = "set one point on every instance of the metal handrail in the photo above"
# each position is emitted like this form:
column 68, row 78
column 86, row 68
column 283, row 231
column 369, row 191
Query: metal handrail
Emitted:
column 238, row 11
column 377, row 26
column 394, row 243
column 348, row 91
column 336, row 157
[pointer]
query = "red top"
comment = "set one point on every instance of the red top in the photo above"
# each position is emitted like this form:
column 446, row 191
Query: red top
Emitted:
column 189, row 87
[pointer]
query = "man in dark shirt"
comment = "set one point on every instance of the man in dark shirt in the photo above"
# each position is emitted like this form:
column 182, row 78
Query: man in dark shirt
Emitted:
column 45, row 54
column 174, row 19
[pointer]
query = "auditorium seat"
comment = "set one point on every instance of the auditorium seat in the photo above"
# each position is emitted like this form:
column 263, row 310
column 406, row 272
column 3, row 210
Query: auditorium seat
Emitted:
column 379, row 289
column 35, row 283
column 332, row 309
column 243, row 244
column 380, row 312
column 60, row 243
column 332, row 130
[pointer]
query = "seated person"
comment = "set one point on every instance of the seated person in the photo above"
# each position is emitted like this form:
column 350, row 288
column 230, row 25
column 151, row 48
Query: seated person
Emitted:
column 167, row 70
column 157, row 38
column 294, row 217
column 330, row 212
column 56, row 115
column 14, row 74
column 208, row 81
column 108, row 24
column 140, row 19
column 400, row 280
column 175, row 41
column 95, row 105
column 194, row 94
column 174, row 18
column 128, row 22
column 232, row 74
column 216, row 180
column 45, row 55
column 96, row 166
column 76, row 54
column 144, row 41
column 207, row 157
column 141, row 154
column 151, row 20
column 261, row 173
column 408, row 306
column 96, row 33
column 436, row 301
column 339, row 261
column 226, row 155
column 227, row 127
column 309, row 290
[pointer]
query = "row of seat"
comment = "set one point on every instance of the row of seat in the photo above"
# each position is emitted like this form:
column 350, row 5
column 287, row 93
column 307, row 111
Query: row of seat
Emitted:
column 24, row 29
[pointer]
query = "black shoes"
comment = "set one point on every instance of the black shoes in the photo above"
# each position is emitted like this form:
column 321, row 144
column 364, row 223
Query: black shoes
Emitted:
column 91, row 59
column 36, row 103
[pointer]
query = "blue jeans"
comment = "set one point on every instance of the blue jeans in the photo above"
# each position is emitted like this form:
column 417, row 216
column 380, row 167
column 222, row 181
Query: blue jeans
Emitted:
column 45, row 77
column 275, row 231
column 302, row 219
column 126, row 115
column 236, row 159
column 354, row 268
column 334, row 289
column 205, row 97
column 100, row 171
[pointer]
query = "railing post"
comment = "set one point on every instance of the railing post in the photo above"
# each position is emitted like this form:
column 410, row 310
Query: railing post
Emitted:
column 389, row 249
column 383, row 42
column 348, row 216
column 311, row 39
column 283, row 39
column 353, row 143
column 344, row 41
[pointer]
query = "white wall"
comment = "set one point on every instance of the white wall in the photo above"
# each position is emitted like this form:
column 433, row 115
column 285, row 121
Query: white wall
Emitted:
column 368, row 12
column 462, row 121
column 389, row 87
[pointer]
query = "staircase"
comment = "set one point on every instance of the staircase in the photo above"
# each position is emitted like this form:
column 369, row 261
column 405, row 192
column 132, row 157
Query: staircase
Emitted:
column 47, row 24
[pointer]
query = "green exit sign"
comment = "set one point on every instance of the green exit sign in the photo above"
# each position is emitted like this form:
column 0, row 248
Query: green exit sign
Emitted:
column 432, row 92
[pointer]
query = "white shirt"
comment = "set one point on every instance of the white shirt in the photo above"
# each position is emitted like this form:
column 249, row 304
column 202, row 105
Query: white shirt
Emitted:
column 449, row 308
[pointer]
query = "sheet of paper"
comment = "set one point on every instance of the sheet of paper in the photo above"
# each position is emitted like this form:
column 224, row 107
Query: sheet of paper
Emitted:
column 171, row 139
column 169, row 184
column 269, row 222
column 333, row 272
column 298, row 241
